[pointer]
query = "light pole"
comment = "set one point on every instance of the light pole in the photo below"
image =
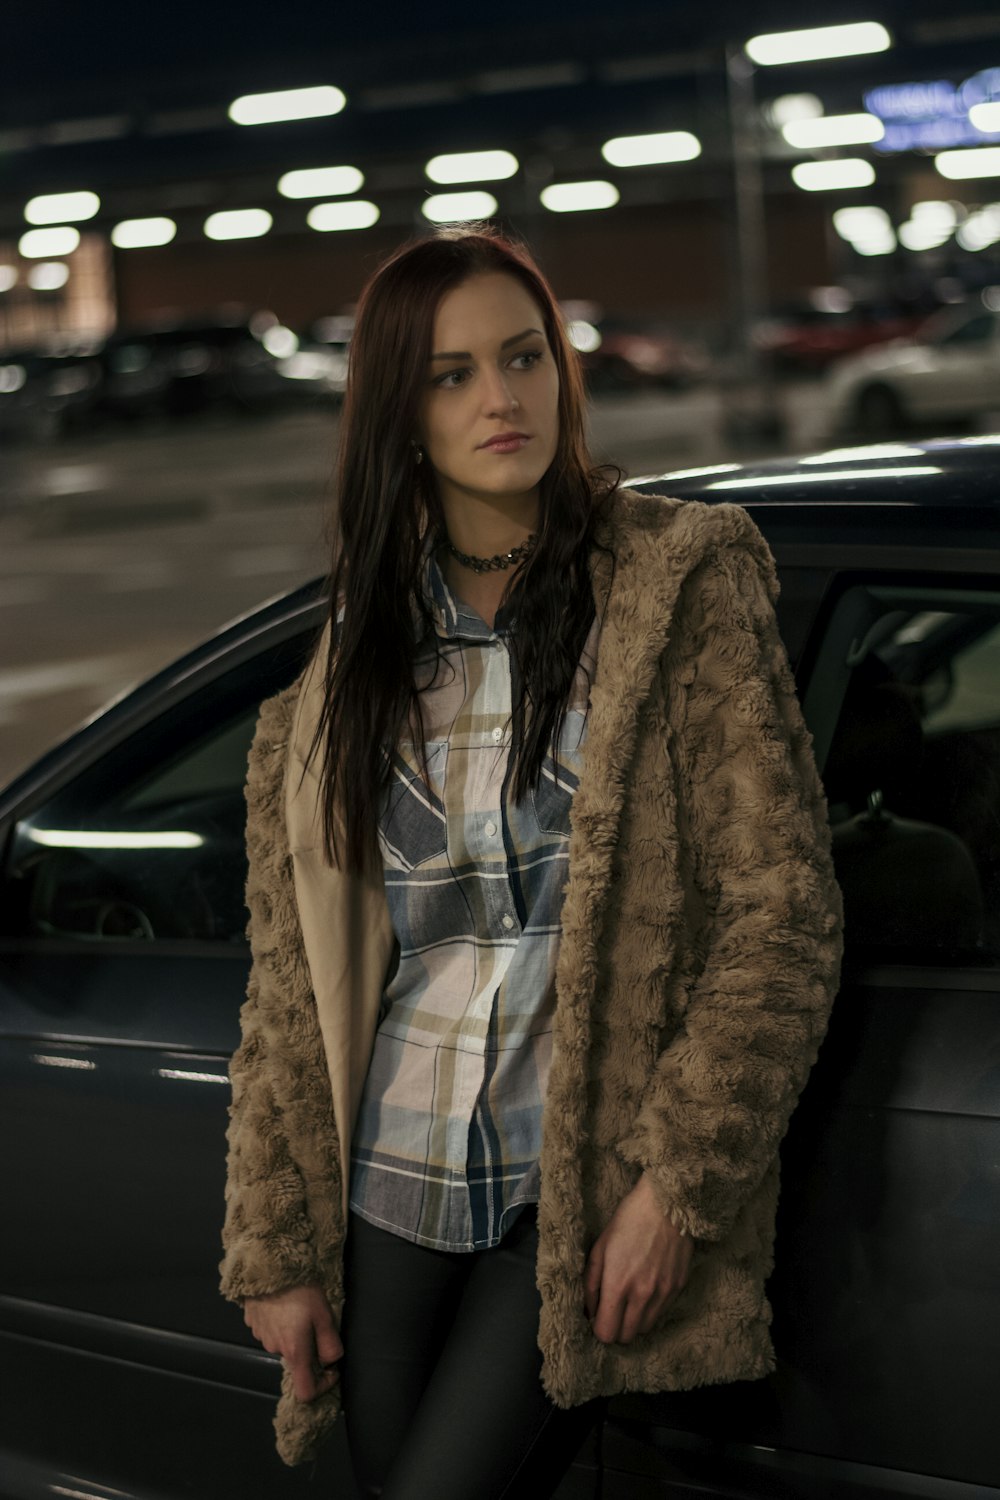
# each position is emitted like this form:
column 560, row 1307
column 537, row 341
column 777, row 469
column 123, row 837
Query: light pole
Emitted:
column 752, row 408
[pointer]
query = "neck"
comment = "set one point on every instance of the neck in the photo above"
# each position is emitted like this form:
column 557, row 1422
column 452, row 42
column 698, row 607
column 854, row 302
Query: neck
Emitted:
column 481, row 529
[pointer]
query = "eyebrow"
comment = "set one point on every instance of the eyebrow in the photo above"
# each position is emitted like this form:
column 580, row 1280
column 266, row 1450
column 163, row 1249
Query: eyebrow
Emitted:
column 514, row 339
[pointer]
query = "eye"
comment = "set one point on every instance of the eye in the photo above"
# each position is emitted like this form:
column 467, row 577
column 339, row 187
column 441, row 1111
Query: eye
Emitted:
column 451, row 379
column 530, row 357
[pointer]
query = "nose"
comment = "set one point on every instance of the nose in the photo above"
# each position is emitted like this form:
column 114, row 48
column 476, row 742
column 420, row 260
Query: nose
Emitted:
column 498, row 396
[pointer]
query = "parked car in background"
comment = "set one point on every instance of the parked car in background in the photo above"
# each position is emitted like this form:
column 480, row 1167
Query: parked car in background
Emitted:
column 623, row 354
column 48, row 389
column 949, row 372
column 803, row 339
column 250, row 362
column 123, row 964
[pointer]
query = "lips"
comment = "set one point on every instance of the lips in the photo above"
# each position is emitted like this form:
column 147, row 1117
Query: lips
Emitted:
column 506, row 442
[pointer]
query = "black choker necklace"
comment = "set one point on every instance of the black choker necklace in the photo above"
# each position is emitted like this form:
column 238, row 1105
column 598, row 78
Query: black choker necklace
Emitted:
column 498, row 562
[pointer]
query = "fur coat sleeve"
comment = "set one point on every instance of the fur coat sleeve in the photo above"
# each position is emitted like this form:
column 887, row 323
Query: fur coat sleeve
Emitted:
column 274, row 1196
column 752, row 815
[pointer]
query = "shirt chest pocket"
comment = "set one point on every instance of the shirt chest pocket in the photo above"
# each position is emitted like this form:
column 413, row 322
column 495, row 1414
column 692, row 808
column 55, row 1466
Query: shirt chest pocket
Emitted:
column 413, row 822
column 552, row 799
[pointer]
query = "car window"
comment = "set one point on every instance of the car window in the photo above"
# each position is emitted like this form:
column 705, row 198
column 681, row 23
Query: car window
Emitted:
column 975, row 331
column 912, row 772
column 148, row 844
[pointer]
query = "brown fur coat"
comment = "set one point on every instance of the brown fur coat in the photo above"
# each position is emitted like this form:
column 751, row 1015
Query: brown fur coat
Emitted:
column 700, row 954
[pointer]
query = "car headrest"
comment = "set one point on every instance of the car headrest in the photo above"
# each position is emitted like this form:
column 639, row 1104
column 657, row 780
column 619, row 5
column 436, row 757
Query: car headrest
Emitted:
column 878, row 743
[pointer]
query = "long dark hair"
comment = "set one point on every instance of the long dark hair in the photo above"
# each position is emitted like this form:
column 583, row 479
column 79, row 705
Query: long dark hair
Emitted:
column 386, row 506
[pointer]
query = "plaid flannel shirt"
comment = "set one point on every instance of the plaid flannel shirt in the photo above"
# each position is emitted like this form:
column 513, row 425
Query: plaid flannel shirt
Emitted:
column 445, row 1149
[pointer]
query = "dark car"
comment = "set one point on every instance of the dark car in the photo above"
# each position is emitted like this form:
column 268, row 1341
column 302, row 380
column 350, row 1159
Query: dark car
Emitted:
column 49, row 390
column 123, row 963
column 247, row 362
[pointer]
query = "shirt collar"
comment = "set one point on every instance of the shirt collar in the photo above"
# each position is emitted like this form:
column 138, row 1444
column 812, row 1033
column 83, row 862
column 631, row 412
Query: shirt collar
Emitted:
column 454, row 619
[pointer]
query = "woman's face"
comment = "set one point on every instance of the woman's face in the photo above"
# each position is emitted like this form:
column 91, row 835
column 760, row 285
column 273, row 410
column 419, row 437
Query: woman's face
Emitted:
column 489, row 416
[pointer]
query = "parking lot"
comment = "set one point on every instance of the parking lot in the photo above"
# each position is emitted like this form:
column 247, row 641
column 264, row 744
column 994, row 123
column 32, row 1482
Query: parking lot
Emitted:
column 121, row 548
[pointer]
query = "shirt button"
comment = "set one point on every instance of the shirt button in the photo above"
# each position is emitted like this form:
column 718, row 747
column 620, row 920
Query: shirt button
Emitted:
column 497, row 736
column 491, row 828
column 508, row 922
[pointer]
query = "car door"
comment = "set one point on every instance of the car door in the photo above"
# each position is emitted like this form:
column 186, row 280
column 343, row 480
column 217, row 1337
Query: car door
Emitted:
column 886, row 1296
column 961, row 375
column 123, row 965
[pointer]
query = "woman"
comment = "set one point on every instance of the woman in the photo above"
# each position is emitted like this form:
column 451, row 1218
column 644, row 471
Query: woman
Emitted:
column 543, row 919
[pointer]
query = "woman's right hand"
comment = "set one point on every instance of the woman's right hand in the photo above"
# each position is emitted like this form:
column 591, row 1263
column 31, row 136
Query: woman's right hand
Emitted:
column 298, row 1325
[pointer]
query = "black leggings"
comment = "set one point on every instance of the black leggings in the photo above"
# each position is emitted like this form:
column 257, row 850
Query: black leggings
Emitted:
column 440, row 1374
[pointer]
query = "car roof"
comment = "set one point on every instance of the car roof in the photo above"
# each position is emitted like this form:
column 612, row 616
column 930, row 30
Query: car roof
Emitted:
column 944, row 475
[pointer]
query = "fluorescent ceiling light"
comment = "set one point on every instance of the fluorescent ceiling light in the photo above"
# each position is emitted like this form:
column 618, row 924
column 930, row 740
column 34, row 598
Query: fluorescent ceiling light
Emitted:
column 36, row 244
column 61, row 208
column 132, row 234
column 49, row 276
column 358, row 213
column 649, row 150
column 575, row 197
column 320, row 182
column 789, row 107
column 818, row 42
column 851, row 223
column 930, row 224
column 876, row 244
column 829, row 176
column 456, row 208
column 833, row 130
column 986, row 117
column 238, row 224
column 8, row 278
column 472, row 166
column 976, row 161
column 287, row 104
column 980, row 229
column 935, row 211
column 914, row 235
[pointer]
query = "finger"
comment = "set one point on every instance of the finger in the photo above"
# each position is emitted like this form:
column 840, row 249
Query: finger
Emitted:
column 608, row 1320
column 303, row 1364
column 329, row 1347
column 303, row 1378
column 592, row 1280
column 631, row 1320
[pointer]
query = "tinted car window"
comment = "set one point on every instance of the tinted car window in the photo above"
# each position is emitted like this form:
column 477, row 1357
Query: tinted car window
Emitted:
column 913, row 778
column 975, row 331
column 148, row 844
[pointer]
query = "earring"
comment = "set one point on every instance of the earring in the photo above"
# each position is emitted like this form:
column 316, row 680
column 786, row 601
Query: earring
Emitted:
column 418, row 453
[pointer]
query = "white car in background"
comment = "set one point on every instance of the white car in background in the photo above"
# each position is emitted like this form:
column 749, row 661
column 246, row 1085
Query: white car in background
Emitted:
column 950, row 370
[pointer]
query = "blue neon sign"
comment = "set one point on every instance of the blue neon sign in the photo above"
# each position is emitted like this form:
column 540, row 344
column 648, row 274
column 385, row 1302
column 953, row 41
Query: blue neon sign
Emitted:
column 932, row 116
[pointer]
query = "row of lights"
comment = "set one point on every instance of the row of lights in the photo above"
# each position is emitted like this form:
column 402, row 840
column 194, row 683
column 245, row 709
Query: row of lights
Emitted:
column 63, row 209
column 870, row 230
column 809, row 133
column 567, row 197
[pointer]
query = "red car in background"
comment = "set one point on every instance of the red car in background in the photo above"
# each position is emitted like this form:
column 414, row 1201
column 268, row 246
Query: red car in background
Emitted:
column 802, row 339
